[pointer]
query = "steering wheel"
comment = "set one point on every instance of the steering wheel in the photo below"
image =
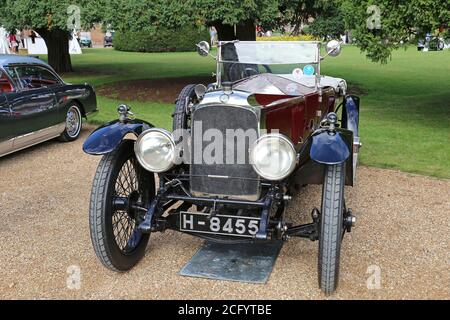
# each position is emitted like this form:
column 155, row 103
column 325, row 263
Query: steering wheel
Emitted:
column 235, row 72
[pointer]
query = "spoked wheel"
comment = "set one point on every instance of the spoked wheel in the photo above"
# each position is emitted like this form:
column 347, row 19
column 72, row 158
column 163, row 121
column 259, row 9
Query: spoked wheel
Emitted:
column 331, row 227
column 121, row 189
column 74, row 122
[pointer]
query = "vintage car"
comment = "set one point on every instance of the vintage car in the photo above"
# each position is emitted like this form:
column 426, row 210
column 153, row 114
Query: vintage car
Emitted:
column 431, row 43
column 239, row 149
column 85, row 39
column 36, row 105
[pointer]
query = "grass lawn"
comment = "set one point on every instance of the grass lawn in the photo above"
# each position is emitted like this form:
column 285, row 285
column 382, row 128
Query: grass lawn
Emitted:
column 405, row 116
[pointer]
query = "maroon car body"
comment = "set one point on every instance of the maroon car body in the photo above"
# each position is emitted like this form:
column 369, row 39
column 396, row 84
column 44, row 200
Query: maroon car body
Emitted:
column 238, row 150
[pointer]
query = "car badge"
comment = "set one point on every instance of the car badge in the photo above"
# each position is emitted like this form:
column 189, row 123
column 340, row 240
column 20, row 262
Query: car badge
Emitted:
column 224, row 98
column 309, row 70
column 297, row 73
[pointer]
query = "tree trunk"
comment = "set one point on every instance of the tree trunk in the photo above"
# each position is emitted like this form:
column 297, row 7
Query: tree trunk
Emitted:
column 225, row 32
column 245, row 31
column 57, row 42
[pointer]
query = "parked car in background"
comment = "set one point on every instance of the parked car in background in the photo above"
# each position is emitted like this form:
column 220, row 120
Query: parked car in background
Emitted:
column 37, row 105
column 431, row 43
column 239, row 150
column 85, row 39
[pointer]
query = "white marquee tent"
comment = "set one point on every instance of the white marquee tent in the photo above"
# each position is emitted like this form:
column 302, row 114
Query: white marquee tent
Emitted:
column 39, row 46
column 4, row 47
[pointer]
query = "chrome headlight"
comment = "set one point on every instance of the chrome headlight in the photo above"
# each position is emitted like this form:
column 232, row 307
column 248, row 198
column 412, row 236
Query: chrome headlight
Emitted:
column 273, row 157
column 155, row 150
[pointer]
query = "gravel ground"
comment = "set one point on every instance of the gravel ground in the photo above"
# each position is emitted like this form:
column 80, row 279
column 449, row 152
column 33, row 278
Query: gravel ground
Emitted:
column 403, row 232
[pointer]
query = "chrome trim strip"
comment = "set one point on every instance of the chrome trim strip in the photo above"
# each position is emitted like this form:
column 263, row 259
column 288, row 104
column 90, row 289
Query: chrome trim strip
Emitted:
column 31, row 139
column 218, row 177
column 6, row 146
column 226, row 196
column 356, row 146
column 235, row 98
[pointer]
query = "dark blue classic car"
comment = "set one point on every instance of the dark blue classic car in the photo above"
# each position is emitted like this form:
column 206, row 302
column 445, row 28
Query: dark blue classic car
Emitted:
column 37, row 105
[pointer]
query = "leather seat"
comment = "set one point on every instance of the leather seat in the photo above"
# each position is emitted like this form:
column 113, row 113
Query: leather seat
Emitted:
column 5, row 86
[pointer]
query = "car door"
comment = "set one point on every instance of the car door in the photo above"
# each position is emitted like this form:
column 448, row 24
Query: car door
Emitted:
column 6, row 125
column 33, row 106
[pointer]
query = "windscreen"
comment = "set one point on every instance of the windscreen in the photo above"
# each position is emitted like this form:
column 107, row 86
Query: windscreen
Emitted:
column 243, row 59
column 270, row 52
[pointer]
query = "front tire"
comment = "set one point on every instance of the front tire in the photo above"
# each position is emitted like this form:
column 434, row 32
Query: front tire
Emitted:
column 115, row 236
column 331, row 227
column 180, row 115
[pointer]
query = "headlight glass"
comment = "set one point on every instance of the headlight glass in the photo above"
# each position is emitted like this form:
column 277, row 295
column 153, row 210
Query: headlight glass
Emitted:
column 155, row 150
column 273, row 157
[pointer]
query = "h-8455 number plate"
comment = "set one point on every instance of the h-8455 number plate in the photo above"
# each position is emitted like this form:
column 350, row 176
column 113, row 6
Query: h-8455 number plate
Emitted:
column 219, row 224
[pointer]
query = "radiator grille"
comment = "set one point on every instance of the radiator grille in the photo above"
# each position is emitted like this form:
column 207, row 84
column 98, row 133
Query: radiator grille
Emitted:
column 236, row 180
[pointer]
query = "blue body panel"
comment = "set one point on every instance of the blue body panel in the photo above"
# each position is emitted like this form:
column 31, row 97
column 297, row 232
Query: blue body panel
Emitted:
column 350, row 114
column 107, row 138
column 331, row 147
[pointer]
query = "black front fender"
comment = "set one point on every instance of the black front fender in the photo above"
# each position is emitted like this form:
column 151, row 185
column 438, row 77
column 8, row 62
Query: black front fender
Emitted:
column 108, row 137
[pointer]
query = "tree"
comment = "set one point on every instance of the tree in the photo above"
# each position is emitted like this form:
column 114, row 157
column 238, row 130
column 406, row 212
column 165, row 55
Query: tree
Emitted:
column 54, row 20
column 384, row 25
column 223, row 14
column 329, row 25
column 298, row 13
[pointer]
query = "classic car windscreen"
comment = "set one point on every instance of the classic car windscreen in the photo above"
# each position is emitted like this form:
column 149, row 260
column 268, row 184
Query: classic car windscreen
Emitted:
column 270, row 52
column 241, row 60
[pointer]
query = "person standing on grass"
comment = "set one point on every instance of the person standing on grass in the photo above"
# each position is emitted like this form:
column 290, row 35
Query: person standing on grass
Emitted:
column 19, row 40
column 33, row 37
column 13, row 44
column 213, row 35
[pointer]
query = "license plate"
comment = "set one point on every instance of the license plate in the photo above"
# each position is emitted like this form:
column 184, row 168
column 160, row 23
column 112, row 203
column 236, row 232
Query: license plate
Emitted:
column 219, row 224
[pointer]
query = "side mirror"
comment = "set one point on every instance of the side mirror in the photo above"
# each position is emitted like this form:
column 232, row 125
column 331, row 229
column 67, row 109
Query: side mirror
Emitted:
column 333, row 48
column 203, row 48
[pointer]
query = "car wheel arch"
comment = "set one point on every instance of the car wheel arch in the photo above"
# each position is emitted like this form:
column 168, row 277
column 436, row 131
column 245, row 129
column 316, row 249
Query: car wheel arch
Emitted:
column 80, row 105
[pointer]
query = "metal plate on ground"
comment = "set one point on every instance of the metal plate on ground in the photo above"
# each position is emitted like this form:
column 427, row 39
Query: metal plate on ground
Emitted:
column 252, row 263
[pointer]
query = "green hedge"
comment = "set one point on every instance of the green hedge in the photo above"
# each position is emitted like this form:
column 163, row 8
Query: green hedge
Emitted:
column 163, row 40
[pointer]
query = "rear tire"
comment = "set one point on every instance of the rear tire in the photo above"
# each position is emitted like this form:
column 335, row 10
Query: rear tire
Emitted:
column 331, row 228
column 115, row 236
column 74, row 124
